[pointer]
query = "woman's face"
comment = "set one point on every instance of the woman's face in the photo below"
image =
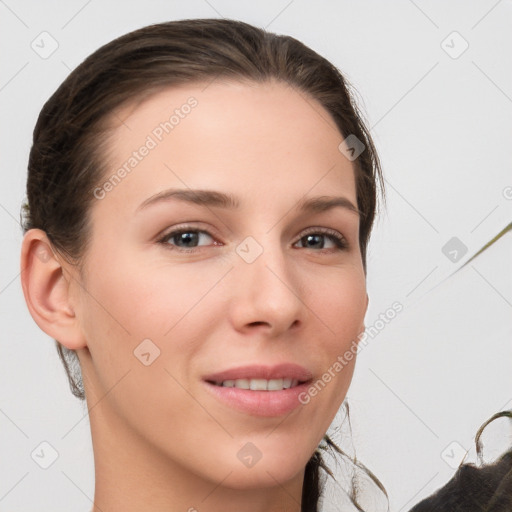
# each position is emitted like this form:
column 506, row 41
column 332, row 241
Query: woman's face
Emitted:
column 260, row 284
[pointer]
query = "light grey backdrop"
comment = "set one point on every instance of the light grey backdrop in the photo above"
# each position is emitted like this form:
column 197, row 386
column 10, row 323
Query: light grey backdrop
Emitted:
column 436, row 82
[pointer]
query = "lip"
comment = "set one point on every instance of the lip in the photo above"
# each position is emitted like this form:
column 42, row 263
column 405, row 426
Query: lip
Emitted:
column 280, row 371
column 260, row 403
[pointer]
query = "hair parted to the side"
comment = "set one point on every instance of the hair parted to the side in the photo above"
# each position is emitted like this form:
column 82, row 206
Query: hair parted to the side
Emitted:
column 67, row 159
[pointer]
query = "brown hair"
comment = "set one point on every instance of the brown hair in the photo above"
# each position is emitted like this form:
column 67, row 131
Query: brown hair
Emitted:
column 487, row 487
column 67, row 158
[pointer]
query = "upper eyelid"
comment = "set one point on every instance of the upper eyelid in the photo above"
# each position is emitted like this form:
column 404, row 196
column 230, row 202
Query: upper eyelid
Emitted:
column 311, row 229
column 176, row 229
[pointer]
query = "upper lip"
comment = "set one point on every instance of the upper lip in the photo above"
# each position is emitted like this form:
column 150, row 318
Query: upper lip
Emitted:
column 279, row 371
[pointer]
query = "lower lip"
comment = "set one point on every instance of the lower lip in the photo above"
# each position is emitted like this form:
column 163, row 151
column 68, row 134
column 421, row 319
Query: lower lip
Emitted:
column 259, row 403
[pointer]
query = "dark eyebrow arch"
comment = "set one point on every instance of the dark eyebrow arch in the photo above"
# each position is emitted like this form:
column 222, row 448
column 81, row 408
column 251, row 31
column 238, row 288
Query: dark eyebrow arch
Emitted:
column 217, row 199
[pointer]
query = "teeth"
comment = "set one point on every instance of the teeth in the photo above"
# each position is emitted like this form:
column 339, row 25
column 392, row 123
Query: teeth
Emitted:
column 260, row 384
column 274, row 385
column 242, row 383
column 287, row 383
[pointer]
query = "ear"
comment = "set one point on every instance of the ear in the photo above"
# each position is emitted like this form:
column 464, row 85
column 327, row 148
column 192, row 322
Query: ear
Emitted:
column 47, row 291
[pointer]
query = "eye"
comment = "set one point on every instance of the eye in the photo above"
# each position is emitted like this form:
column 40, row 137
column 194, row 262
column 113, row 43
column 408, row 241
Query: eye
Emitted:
column 186, row 239
column 316, row 237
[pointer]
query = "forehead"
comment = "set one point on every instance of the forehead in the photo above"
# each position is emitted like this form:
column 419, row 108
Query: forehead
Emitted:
column 234, row 136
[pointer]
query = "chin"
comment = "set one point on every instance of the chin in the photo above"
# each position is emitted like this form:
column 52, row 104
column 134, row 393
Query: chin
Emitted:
column 276, row 469
column 262, row 477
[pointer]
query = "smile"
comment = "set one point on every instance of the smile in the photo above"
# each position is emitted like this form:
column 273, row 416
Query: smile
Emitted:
column 259, row 389
column 259, row 384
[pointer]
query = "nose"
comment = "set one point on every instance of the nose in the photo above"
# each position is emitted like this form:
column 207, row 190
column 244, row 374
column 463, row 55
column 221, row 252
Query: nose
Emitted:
column 267, row 294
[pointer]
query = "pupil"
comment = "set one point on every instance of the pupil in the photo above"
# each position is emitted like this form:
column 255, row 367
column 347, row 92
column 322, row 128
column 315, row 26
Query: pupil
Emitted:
column 188, row 237
column 310, row 237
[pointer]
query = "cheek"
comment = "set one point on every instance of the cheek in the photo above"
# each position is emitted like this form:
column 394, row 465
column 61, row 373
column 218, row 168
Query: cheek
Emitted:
column 137, row 323
column 142, row 300
column 340, row 306
column 336, row 301
column 134, row 301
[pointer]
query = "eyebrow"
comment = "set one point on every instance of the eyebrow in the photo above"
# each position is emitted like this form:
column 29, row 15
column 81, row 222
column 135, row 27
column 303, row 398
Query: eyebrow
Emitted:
column 213, row 198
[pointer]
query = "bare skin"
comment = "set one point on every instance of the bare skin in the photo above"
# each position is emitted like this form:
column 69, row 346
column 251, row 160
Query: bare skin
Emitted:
column 161, row 441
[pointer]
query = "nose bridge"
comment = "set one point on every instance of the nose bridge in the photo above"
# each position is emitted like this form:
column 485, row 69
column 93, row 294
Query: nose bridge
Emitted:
column 268, row 290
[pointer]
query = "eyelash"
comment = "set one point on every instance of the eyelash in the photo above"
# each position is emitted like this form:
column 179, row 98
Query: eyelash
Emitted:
column 338, row 239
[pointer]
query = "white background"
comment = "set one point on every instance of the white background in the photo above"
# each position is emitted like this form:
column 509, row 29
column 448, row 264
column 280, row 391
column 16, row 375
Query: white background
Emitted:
column 442, row 126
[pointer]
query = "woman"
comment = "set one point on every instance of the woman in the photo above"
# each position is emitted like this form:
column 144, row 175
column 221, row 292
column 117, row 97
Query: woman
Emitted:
column 200, row 198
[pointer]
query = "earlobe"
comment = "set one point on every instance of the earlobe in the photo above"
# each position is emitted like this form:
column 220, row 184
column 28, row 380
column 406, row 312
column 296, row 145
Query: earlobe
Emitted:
column 47, row 292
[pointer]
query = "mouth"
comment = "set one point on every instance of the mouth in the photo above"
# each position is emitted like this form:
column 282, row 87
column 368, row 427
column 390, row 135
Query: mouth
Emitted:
column 260, row 390
column 259, row 384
